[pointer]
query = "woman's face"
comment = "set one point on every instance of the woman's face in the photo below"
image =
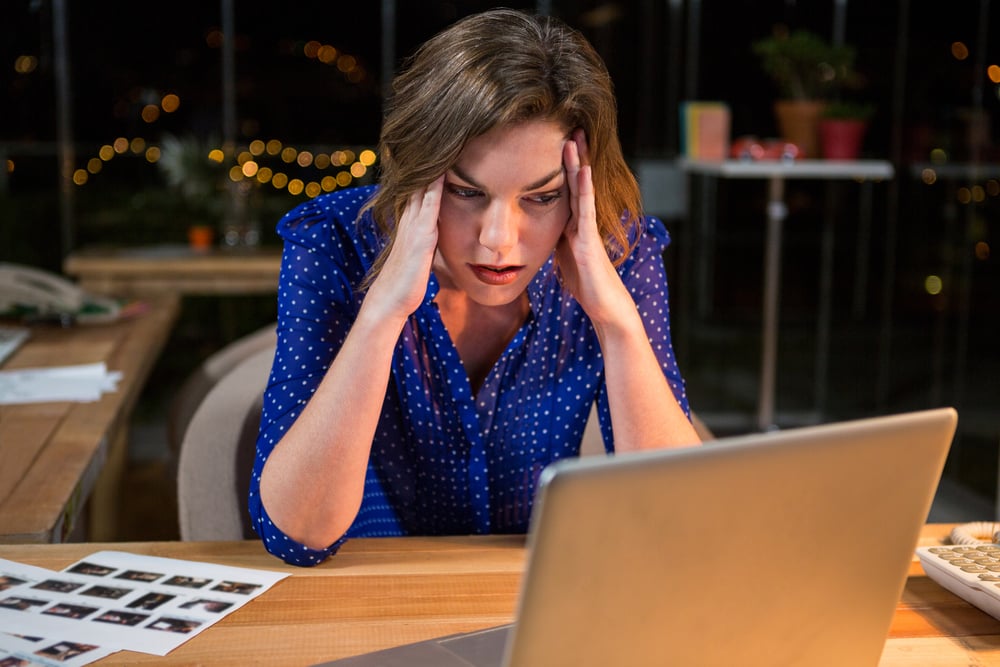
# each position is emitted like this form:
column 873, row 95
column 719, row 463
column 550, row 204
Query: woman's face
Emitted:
column 504, row 207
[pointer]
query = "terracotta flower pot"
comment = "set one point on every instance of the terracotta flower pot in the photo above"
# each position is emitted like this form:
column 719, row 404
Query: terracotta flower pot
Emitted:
column 842, row 138
column 798, row 123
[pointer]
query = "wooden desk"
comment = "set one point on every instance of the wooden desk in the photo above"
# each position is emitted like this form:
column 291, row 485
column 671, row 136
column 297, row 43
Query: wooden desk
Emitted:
column 58, row 456
column 177, row 269
column 378, row 593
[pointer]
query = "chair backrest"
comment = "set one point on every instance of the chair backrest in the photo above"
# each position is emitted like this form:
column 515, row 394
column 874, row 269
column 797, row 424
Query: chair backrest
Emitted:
column 216, row 456
column 200, row 382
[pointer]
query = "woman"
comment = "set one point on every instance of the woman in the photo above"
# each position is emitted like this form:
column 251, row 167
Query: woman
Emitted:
column 442, row 338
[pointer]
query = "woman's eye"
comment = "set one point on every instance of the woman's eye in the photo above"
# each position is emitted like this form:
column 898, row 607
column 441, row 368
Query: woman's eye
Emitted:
column 545, row 197
column 464, row 193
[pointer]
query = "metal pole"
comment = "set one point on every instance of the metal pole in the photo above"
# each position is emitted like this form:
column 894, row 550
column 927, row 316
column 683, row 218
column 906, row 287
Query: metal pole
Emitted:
column 64, row 126
column 388, row 46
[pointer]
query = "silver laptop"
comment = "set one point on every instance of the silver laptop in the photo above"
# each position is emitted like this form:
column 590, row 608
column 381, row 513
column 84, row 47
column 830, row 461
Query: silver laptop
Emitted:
column 782, row 548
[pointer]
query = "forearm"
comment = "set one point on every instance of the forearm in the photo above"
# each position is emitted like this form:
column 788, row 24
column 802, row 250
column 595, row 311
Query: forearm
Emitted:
column 313, row 481
column 645, row 413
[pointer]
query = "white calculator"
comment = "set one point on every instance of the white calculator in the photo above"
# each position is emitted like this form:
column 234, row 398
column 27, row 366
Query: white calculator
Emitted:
column 970, row 571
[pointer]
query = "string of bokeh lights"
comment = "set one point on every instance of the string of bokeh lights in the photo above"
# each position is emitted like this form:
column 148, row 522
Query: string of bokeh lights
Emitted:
column 351, row 165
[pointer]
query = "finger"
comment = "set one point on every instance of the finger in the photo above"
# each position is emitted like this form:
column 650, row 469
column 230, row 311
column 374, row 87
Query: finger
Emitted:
column 586, row 209
column 582, row 147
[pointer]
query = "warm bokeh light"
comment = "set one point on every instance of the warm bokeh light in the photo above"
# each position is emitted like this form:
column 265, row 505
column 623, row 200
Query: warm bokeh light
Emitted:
column 137, row 145
column 939, row 156
column 170, row 103
column 327, row 54
column 343, row 179
column 933, row 284
column 288, row 154
column 214, row 39
column 295, row 186
column 256, row 147
column 367, row 157
column 311, row 48
column 928, row 176
column 153, row 154
column 273, row 147
column 279, row 180
column 358, row 170
column 150, row 113
column 322, row 161
column 993, row 187
column 993, row 71
column 216, row 155
column 304, row 159
column 963, row 195
column 94, row 165
column 25, row 64
column 959, row 50
column 80, row 176
column 250, row 168
column 10, row 166
column 329, row 183
column 264, row 175
column 313, row 189
column 106, row 152
column 982, row 250
column 120, row 145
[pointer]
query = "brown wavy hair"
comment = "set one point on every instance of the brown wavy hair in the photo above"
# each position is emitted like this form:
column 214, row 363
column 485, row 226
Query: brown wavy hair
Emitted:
column 492, row 69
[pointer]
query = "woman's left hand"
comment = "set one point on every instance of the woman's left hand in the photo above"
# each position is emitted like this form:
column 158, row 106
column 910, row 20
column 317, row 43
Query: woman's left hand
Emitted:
column 583, row 260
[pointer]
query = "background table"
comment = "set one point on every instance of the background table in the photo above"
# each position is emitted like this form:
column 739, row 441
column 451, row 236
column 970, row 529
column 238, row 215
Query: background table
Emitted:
column 776, row 173
column 60, row 457
column 176, row 268
column 384, row 592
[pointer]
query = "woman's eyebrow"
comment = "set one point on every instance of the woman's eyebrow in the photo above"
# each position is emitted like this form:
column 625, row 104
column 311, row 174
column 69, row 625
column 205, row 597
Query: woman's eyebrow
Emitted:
column 531, row 186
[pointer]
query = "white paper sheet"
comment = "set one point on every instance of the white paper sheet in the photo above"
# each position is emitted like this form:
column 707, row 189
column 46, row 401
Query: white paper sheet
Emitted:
column 118, row 600
column 81, row 383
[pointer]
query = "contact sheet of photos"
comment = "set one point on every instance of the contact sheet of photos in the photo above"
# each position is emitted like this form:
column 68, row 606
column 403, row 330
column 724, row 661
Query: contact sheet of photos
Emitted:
column 112, row 600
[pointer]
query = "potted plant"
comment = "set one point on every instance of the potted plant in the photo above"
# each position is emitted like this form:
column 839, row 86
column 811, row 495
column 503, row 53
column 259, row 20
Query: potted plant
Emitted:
column 842, row 129
column 197, row 179
column 808, row 72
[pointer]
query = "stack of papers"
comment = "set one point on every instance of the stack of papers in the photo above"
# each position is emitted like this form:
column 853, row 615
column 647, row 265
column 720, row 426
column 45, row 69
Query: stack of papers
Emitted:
column 113, row 600
column 81, row 383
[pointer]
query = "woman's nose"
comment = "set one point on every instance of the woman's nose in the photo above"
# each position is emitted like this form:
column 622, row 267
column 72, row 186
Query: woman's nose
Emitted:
column 499, row 229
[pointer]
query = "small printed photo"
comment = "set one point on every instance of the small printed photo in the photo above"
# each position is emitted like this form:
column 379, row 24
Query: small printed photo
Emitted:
column 236, row 587
column 106, row 592
column 181, row 625
column 214, row 606
column 57, row 586
column 64, row 651
column 122, row 617
column 22, row 604
column 150, row 601
column 13, row 661
column 7, row 581
column 92, row 569
column 70, row 610
column 186, row 582
column 138, row 575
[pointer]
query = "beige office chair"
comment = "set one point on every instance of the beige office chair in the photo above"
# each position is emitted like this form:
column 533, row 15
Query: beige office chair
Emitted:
column 593, row 441
column 200, row 382
column 216, row 454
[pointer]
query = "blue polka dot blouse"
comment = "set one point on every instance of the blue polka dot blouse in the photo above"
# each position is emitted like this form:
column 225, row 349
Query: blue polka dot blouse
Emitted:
column 444, row 460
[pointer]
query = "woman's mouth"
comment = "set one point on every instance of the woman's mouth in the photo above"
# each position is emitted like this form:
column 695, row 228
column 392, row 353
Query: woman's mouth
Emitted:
column 496, row 275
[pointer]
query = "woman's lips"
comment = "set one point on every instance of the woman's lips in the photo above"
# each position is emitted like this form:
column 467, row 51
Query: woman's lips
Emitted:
column 495, row 275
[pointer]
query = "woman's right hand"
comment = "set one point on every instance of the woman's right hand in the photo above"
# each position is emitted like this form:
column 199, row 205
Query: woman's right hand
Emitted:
column 401, row 284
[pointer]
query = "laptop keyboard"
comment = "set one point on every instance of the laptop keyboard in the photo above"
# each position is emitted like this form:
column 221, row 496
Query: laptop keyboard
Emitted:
column 11, row 339
column 972, row 572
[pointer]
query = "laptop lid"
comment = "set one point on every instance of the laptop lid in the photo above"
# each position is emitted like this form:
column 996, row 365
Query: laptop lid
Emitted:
column 782, row 548
column 787, row 547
